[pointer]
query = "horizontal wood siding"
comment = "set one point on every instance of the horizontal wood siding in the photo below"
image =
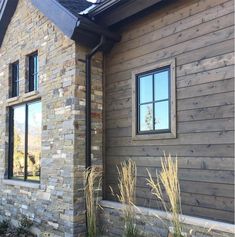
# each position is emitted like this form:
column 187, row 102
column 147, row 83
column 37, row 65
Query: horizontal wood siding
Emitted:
column 199, row 35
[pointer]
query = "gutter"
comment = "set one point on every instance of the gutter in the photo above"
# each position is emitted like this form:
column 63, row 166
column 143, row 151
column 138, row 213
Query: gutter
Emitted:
column 104, row 6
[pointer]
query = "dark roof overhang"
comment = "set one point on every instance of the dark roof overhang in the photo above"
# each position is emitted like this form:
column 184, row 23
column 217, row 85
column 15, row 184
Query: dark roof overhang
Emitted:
column 84, row 29
column 113, row 12
column 76, row 27
column 7, row 9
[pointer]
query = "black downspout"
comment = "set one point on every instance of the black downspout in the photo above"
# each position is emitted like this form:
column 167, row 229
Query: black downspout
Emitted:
column 88, row 99
column 88, row 104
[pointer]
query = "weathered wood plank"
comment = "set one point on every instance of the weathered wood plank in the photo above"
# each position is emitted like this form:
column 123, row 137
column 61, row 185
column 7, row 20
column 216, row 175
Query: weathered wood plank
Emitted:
column 191, row 150
column 200, row 102
column 206, row 125
column 213, row 75
column 169, row 52
column 206, row 64
column 216, row 100
column 206, row 89
column 216, row 125
column 217, row 112
column 206, row 52
column 192, row 199
column 206, row 76
column 119, row 111
column 210, row 163
column 187, row 111
column 198, row 211
column 209, row 176
column 204, row 188
column 160, row 19
column 185, row 92
column 223, row 137
column 200, row 38
column 122, row 62
column 184, row 30
column 217, row 190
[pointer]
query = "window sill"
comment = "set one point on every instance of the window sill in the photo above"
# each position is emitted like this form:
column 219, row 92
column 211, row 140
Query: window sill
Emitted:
column 21, row 183
column 144, row 137
column 31, row 94
column 13, row 99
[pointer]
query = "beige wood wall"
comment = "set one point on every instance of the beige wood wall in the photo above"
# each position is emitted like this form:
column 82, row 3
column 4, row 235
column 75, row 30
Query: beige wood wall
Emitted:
column 199, row 35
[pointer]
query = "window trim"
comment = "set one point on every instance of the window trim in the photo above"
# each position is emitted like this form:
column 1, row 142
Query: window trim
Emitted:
column 153, row 101
column 152, row 135
column 11, row 143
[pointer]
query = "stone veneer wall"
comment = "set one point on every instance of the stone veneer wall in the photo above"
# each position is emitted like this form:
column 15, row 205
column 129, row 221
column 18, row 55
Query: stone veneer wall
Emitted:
column 96, row 126
column 150, row 223
column 56, row 205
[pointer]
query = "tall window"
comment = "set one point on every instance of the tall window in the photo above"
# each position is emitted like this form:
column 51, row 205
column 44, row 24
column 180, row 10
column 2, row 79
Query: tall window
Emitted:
column 33, row 72
column 25, row 141
column 153, row 109
column 154, row 105
column 14, row 79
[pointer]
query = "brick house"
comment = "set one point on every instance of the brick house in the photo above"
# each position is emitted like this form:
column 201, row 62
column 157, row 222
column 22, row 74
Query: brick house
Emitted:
column 158, row 76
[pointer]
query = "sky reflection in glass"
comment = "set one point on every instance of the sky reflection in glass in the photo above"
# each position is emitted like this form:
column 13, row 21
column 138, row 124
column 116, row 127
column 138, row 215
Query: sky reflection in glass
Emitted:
column 161, row 85
column 146, row 88
column 34, row 140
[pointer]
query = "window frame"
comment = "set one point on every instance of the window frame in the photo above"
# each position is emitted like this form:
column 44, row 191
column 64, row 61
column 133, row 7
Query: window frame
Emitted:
column 11, row 142
column 14, row 84
column 154, row 134
column 33, row 85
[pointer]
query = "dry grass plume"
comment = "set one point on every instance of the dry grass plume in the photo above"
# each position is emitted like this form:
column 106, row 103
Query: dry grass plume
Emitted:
column 93, row 182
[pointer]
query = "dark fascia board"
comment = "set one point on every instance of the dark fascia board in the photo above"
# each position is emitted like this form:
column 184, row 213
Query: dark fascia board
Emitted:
column 7, row 9
column 102, row 7
column 75, row 27
column 113, row 12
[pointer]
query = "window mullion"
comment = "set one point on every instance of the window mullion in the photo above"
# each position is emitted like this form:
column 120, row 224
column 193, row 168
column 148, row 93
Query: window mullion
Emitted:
column 26, row 143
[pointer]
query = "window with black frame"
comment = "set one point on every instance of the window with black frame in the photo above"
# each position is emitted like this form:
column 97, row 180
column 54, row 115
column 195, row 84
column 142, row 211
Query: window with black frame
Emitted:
column 14, row 79
column 25, row 141
column 33, row 72
column 153, row 101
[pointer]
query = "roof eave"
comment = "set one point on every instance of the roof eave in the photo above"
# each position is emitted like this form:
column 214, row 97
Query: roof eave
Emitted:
column 59, row 15
column 77, row 28
column 108, row 13
column 7, row 9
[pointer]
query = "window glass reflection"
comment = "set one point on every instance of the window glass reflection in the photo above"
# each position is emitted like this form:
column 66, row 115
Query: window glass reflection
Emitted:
column 19, row 142
column 161, row 85
column 146, row 88
column 146, row 117
column 162, row 115
column 34, row 141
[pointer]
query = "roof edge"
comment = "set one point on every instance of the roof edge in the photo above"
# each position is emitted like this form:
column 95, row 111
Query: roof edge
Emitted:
column 7, row 10
column 78, row 28
column 58, row 14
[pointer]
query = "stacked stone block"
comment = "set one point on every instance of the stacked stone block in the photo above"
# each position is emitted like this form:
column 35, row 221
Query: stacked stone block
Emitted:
column 56, row 205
